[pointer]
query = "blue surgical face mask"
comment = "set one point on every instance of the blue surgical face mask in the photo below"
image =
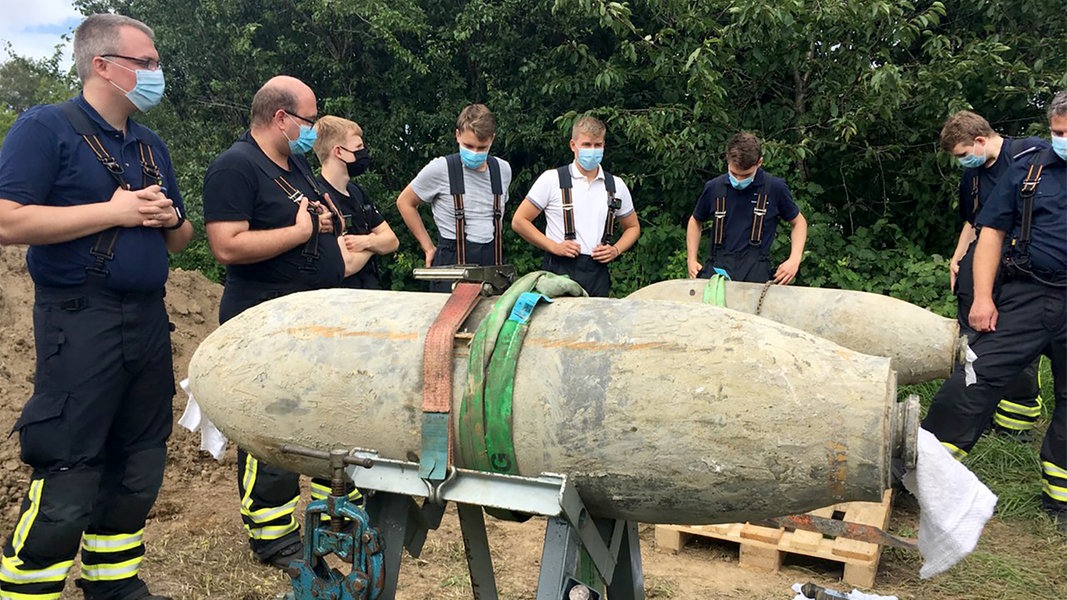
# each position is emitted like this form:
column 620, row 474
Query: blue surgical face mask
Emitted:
column 589, row 158
column 1059, row 146
column 148, row 91
column 472, row 159
column 303, row 142
column 740, row 184
column 971, row 161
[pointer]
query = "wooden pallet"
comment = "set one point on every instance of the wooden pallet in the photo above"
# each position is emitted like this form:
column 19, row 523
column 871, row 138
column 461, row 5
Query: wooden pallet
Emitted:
column 762, row 548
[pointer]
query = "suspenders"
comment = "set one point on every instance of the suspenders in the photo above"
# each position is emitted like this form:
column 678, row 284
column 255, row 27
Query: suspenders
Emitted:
column 273, row 172
column 1017, row 259
column 457, row 189
column 1026, row 194
column 103, row 248
column 759, row 212
column 614, row 204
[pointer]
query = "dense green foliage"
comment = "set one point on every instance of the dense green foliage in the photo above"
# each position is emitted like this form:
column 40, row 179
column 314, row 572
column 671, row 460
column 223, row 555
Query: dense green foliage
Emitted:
column 849, row 97
column 25, row 82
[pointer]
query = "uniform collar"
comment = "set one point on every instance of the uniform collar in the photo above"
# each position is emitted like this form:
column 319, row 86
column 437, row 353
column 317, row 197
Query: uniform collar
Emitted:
column 132, row 128
column 576, row 174
column 757, row 180
column 268, row 165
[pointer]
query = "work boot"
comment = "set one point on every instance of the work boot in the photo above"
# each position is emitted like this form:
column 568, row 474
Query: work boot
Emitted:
column 1023, row 436
column 1058, row 512
column 140, row 594
column 283, row 558
column 1059, row 517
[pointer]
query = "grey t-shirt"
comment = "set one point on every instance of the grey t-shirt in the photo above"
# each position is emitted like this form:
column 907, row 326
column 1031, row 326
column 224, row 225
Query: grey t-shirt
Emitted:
column 431, row 186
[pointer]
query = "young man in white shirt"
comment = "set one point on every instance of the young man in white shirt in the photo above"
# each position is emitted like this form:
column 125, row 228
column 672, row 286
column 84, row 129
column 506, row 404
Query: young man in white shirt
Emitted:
column 582, row 203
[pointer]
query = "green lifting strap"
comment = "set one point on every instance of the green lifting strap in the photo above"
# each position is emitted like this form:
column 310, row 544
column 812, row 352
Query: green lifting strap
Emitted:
column 715, row 291
column 481, row 410
column 500, row 385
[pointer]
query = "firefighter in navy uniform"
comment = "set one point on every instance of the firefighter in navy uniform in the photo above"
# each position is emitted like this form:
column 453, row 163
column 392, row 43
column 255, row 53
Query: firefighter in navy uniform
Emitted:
column 342, row 154
column 986, row 157
column 268, row 221
column 743, row 206
column 581, row 202
column 1026, row 314
column 95, row 196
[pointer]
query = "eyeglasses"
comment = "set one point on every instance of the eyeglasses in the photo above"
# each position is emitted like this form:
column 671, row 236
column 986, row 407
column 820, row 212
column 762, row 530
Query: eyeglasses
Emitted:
column 145, row 63
column 310, row 121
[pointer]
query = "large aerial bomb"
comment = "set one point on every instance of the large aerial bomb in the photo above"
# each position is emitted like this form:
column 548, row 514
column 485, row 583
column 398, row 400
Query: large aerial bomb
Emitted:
column 657, row 412
column 921, row 344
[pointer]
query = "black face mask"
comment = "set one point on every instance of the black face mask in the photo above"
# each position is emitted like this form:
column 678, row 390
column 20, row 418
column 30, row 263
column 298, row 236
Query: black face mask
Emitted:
column 361, row 164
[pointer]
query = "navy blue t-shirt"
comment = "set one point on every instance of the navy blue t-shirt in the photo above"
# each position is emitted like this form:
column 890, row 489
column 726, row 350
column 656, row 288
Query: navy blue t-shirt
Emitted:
column 45, row 162
column 1003, row 211
column 358, row 211
column 739, row 207
column 242, row 185
column 360, row 218
column 977, row 184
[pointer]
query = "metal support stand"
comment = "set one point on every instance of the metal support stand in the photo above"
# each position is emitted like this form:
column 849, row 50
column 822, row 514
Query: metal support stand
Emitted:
column 611, row 547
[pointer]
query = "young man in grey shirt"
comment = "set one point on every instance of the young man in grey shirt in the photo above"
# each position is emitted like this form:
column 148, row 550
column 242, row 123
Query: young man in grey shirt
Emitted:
column 481, row 182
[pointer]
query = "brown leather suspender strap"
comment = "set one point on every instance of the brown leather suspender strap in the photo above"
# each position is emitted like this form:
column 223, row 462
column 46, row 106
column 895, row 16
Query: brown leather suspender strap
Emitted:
column 496, row 185
column 720, row 220
column 614, row 204
column 758, row 213
column 311, row 248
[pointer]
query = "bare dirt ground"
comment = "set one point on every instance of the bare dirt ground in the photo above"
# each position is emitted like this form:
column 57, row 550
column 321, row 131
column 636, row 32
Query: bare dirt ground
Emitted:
column 197, row 548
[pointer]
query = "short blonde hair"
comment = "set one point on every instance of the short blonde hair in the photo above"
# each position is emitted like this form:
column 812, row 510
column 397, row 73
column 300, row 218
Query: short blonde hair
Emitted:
column 962, row 128
column 591, row 126
column 331, row 131
column 478, row 119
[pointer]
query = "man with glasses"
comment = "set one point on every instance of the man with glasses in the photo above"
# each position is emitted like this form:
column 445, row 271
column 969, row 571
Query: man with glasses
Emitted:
column 268, row 221
column 95, row 196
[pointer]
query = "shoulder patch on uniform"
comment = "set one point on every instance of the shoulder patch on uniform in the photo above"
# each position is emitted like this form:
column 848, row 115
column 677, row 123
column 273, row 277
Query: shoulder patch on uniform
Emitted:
column 1025, row 152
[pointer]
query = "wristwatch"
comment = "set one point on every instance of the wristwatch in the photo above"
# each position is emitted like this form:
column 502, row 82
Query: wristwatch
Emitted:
column 181, row 220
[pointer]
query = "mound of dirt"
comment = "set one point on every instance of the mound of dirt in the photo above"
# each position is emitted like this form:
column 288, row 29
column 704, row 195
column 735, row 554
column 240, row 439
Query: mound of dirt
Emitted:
column 192, row 302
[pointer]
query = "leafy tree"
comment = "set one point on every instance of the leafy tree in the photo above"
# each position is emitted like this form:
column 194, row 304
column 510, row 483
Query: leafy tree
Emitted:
column 25, row 82
column 848, row 97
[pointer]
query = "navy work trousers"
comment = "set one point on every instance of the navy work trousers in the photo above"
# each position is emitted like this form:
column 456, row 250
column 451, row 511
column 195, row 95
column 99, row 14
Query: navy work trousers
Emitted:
column 593, row 276
column 95, row 433
column 1032, row 320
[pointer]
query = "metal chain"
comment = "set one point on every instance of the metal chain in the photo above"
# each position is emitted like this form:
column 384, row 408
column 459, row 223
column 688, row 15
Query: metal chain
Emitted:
column 762, row 295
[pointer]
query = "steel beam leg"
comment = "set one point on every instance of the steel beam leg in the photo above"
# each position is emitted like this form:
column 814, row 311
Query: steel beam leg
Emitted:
column 628, row 583
column 476, row 545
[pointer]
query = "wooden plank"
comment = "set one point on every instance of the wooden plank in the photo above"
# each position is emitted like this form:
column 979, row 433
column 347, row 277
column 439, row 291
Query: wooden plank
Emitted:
column 760, row 558
column 769, row 535
column 810, row 541
column 669, row 538
column 866, row 513
column 763, row 548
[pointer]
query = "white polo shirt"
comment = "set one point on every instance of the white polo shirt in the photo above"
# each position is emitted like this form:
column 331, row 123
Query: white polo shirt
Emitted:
column 590, row 205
